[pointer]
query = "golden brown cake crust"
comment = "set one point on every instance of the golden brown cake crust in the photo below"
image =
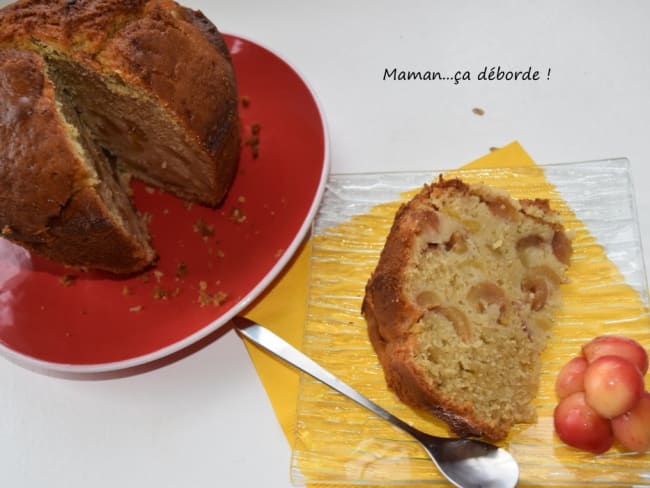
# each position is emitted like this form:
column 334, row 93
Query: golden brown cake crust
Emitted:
column 392, row 313
column 146, row 43
column 50, row 204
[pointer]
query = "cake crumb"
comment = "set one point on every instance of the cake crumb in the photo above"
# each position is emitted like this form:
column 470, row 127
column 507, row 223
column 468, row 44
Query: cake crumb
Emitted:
column 67, row 280
column 6, row 230
column 219, row 297
column 127, row 291
column 150, row 190
column 237, row 215
column 158, row 275
column 206, row 230
column 279, row 252
column 245, row 101
column 494, row 148
column 181, row 270
column 478, row 111
column 188, row 205
column 206, row 298
column 254, row 140
column 145, row 278
column 159, row 293
column 137, row 308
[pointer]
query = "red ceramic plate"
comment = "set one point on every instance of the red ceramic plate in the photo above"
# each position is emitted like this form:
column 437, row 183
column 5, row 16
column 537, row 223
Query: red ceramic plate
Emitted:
column 213, row 263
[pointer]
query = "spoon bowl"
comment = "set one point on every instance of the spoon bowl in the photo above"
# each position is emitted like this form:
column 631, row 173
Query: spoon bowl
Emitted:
column 466, row 463
column 469, row 462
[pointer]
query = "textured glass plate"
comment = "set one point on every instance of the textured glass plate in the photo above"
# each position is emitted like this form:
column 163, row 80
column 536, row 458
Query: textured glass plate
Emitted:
column 338, row 442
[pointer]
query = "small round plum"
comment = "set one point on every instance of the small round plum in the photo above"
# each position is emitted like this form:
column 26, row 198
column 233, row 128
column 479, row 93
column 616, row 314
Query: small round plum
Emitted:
column 632, row 429
column 610, row 345
column 579, row 426
column 571, row 377
column 613, row 386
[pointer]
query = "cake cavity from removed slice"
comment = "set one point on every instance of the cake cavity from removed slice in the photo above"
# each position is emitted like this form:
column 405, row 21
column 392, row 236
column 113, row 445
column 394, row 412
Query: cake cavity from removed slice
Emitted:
column 137, row 131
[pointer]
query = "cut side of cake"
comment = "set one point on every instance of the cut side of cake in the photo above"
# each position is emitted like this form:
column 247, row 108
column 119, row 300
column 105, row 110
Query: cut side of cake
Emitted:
column 96, row 92
column 460, row 304
column 62, row 200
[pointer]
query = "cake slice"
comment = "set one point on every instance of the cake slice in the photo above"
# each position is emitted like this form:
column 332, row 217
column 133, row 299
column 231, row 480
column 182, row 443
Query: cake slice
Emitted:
column 461, row 301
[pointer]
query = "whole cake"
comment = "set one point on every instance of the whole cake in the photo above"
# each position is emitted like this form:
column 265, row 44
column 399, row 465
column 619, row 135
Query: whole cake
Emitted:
column 92, row 91
column 461, row 301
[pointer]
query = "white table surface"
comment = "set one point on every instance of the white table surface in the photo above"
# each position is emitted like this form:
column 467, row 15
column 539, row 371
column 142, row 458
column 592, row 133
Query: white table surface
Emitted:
column 205, row 421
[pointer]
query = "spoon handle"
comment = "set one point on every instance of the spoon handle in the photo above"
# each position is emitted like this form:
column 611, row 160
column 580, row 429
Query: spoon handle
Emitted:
column 277, row 346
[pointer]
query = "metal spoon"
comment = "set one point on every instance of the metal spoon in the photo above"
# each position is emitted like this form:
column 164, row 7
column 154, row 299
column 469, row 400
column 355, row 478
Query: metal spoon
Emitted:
column 464, row 462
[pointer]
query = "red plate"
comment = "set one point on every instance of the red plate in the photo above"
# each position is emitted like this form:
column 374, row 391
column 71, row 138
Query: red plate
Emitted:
column 99, row 323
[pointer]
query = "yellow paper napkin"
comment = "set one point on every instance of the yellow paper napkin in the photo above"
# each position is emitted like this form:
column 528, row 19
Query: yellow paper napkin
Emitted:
column 283, row 308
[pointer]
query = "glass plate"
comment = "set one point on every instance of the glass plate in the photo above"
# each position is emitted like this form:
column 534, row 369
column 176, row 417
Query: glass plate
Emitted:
column 338, row 442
